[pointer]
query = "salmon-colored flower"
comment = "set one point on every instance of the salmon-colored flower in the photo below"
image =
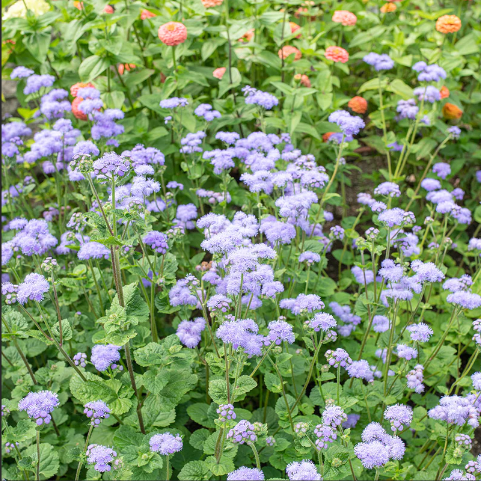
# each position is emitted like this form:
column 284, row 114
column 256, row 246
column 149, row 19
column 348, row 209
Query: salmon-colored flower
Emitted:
column 303, row 12
column 444, row 92
column 303, row 79
column 78, row 5
column 163, row 78
column 448, row 24
column 123, row 67
column 79, row 85
column 108, row 9
column 451, row 111
column 78, row 114
column 146, row 14
column 219, row 72
column 247, row 37
column 337, row 54
column 172, row 33
column 358, row 104
column 211, row 3
column 326, row 136
column 345, row 17
column 388, row 8
column 294, row 28
column 287, row 50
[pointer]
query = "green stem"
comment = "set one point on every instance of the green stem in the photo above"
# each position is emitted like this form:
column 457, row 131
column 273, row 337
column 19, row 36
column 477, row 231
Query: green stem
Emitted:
column 80, row 463
column 38, row 454
column 256, row 455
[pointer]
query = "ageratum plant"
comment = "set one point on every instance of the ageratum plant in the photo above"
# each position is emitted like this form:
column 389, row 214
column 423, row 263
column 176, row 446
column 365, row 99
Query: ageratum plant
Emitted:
column 241, row 241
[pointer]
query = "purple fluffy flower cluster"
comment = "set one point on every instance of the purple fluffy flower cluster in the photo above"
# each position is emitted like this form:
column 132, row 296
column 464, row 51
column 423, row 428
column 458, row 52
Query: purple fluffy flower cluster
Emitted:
column 338, row 358
column 157, row 240
column 246, row 474
column 399, row 415
column 304, row 303
column 455, row 410
column 226, row 412
column 257, row 97
column 415, row 379
column 190, row 332
column 379, row 61
column 242, row 432
column 101, row 457
column 242, row 333
column 305, row 470
column 105, row 356
column 166, row 443
column 96, row 410
column 39, row 405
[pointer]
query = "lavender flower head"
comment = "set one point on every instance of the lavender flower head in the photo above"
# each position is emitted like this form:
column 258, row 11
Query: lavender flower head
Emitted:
column 105, row 355
column 305, row 470
column 388, row 188
column 21, row 72
column 309, row 257
column 80, row 359
column 415, row 379
column 360, row 370
column 93, row 250
column 303, row 303
column 325, row 434
column 322, row 322
column 246, row 474
column 157, row 240
column 226, row 412
column 406, row 352
column 399, row 416
column 101, row 457
column 39, row 405
column 219, row 302
column 33, row 288
column 257, row 97
column 379, row 61
column 173, row 103
column 242, row 433
column 166, row 443
column 349, row 124
column 189, row 332
column 429, row 94
column 420, row 332
column 380, row 323
column 96, row 410
column 279, row 331
column 111, row 165
column 442, row 169
column 338, row 358
column 352, row 420
column 36, row 82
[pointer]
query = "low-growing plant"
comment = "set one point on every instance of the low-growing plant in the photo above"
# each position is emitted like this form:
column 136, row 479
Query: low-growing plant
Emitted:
column 238, row 246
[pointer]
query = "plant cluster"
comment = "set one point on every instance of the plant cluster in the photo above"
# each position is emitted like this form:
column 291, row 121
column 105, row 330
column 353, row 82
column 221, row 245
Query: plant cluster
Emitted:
column 242, row 241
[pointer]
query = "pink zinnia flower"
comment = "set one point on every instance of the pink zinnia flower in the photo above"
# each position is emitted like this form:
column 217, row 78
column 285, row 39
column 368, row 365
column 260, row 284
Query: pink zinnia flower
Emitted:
column 211, row 3
column 172, row 33
column 344, row 17
column 287, row 50
column 219, row 72
column 146, row 14
column 337, row 54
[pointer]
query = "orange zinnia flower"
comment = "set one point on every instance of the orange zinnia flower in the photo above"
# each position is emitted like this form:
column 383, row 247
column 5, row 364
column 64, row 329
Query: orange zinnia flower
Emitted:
column 388, row 8
column 303, row 79
column 78, row 5
column 78, row 114
column 451, row 111
column 79, row 85
column 211, row 3
column 358, row 105
column 247, row 37
column 123, row 67
column 219, row 72
column 294, row 28
column 172, row 33
column 345, row 17
column 337, row 54
column 448, row 24
column 444, row 92
column 326, row 136
column 287, row 50
column 146, row 14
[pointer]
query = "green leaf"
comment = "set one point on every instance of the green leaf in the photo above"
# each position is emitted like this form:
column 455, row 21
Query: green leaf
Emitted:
column 373, row 84
column 49, row 461
column 127, row 436
column 92, row 67
column 222, row 468
column 38, row 43
column 138, row 76
column 400, row 88
column 272, row 382
column 198, row 470
column 210, row 46
column 24, row 430
column 113, row 100
column 198, row 412
column 198, row 438
column 243, row 385
column 218, row 391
